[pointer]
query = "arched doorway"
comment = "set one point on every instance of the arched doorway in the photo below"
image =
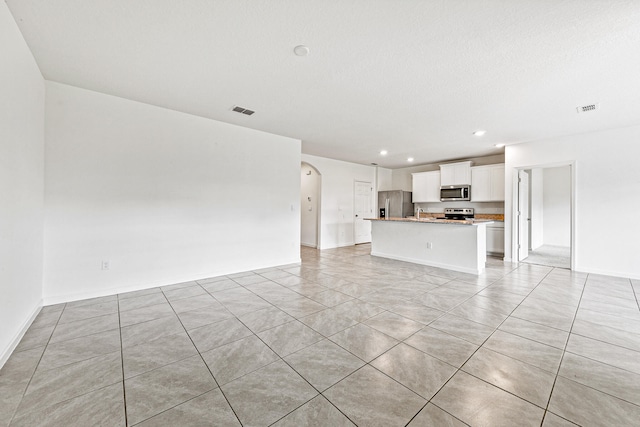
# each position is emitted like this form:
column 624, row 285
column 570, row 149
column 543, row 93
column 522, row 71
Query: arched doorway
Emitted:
column 310, row 185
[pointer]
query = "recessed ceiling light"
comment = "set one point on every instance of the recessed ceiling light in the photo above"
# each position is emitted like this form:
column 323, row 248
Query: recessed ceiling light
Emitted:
column 383, row 152
column 480, row 132
column 500, row 145
column 301, row 50
column 410, row 159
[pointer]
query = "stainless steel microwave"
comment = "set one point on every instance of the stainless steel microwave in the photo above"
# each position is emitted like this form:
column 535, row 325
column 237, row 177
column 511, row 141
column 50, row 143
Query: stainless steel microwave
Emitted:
column 455, row 193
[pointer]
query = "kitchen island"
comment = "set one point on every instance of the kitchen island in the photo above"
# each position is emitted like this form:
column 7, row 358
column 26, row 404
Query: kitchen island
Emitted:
column 458, row 245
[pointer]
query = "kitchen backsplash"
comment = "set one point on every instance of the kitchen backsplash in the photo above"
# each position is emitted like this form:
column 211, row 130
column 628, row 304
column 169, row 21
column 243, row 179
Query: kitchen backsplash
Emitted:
column 479, row 207
column 495, row 217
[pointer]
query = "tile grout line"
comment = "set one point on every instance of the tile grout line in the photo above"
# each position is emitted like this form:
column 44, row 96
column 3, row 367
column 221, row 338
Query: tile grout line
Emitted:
column 635, row 294
column 459, row 369
column 564, row 351
column 402, row 342
column 274, row 352
column 575, row 313
column 595, row 360
column 201, row 358
column 24, row 393
column 160, row 367
column 124, row 389
column 320, row 393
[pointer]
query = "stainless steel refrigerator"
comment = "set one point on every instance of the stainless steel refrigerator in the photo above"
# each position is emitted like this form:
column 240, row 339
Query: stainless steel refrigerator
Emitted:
column 400, row 205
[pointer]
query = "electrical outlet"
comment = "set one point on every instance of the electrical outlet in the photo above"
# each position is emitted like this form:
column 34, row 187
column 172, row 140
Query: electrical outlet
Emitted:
column 106, row 264
column 429, row 245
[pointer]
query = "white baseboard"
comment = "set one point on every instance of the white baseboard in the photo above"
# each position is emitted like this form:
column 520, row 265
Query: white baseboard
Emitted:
column 6, row 353
column 430, row 264
column 634, row 276
column 341, row 245
column 77, row 296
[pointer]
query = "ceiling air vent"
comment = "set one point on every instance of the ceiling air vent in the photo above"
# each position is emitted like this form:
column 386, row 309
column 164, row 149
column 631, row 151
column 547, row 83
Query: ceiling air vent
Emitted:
column 242, row 110
column 587, row 108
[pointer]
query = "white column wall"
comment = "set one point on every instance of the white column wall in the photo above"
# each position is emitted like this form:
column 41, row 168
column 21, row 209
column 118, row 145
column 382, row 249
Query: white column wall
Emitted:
column 557, row 206
column 337, row 198
column 385, row 179
column 536, row 205
column 607, row 179
column 165, row 197
column 22, row 92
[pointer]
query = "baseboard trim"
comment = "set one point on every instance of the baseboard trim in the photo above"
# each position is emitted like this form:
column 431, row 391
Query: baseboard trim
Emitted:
column 428, row 263
column 59, row 299
column 608, row 273
column 8, row 351
column 342, row 245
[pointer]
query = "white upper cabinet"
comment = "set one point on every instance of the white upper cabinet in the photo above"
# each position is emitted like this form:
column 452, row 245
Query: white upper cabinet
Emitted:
column 487, row 183
column 426, row 187
column 455, row 174
column 497, row 183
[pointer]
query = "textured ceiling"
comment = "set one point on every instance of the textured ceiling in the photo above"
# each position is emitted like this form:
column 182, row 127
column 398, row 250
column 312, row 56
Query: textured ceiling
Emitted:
column 414, row 77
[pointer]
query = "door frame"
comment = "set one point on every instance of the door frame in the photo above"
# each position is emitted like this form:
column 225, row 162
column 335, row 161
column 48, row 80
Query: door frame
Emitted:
column 515, row 188
column 523, row 212
column 318, row 206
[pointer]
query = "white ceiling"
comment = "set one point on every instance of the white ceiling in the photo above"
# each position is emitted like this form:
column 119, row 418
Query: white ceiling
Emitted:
column 415, row 77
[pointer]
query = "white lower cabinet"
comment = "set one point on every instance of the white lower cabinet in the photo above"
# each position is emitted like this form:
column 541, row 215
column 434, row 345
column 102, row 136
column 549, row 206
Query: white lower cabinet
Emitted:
column 495, row 238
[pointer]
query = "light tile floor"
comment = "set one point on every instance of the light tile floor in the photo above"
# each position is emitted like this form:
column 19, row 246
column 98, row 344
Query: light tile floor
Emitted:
column 343, row 339
column 550, row 255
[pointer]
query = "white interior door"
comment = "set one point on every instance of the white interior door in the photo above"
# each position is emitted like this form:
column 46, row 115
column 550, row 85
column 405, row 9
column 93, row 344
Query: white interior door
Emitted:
column 523, row 215
column 363, row 209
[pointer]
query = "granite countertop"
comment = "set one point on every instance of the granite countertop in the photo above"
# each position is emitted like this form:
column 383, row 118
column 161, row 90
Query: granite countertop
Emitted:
column 431, row 220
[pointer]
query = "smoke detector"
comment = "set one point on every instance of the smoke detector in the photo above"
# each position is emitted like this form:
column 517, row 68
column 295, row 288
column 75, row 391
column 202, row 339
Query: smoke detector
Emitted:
column 242, row 110
column 587, row 108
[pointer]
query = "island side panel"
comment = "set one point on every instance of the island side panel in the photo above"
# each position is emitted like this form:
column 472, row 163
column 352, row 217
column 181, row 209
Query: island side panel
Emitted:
column 454, row 247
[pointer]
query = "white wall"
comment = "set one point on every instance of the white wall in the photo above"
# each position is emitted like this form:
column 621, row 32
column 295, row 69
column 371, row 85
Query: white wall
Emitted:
column 536, row 207
column 309, row 202
column 21, row 184
column 164, row 196
column 384, row 178
column 337, row 198
column 606, row 175
column 557, row 206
